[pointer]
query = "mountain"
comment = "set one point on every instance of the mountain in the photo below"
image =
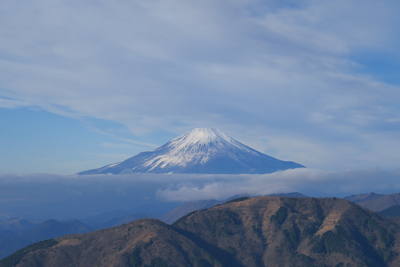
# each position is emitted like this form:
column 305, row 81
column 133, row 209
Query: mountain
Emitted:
column 363, row 197
column 187, row 208
column 191, row 206
column 11, row 241
column 203, row 151
column 17, row 233
column 292, row 194
column 262, row 231
column 382, row 202
column 120, row 220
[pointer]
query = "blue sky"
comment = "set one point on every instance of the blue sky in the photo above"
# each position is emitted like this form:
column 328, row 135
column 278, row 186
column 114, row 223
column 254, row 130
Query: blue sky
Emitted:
column 88, row 83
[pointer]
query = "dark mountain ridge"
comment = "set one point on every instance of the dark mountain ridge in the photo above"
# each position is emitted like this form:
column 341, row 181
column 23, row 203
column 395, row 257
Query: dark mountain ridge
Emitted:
column 262, row 231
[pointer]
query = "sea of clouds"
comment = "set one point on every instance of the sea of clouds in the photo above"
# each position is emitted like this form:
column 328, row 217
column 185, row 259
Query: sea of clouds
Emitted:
column 44, row 196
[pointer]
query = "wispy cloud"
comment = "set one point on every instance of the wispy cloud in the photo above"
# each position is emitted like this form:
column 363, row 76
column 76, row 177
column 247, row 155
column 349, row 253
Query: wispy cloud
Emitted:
column 282, row 71
column 10, row 103
column 114, row 145
column 112, row 156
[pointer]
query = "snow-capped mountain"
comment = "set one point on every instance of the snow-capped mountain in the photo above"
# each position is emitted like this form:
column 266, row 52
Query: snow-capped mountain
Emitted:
column 201, row 150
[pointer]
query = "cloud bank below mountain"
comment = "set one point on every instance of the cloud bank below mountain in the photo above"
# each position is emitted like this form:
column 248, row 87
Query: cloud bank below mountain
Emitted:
column 43, row 196
column 307, row 181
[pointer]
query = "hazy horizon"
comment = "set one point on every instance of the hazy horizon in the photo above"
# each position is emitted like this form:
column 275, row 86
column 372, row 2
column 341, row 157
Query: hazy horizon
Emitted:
column 45, row 196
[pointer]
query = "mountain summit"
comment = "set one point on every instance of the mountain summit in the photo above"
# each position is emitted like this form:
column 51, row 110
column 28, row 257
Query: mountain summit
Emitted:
column 201, row 150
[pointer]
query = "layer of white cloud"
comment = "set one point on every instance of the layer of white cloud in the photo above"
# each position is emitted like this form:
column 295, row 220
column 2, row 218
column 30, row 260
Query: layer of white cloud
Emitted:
column 44, row 196
column 279, row 71
column 306, row 181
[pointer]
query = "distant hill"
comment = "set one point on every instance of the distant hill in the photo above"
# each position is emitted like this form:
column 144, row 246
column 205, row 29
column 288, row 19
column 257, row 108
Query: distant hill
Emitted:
column 202, row 150
column 11, row 241
column 381, row 202
column 363, row 197
column 262, row 231
column 187, row 208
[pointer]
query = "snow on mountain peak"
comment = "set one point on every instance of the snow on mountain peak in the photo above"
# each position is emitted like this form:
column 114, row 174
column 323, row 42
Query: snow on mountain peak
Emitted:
column 203, row 136
column 201, row 150
column 197, row 146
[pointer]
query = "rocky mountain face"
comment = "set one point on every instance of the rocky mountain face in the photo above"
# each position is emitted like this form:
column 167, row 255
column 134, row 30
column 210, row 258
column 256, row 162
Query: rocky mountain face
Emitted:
column 262, row 231
column 202, row 150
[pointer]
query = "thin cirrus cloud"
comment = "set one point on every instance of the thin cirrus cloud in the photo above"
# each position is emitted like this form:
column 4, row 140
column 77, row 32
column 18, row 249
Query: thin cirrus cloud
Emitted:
column 280, row 71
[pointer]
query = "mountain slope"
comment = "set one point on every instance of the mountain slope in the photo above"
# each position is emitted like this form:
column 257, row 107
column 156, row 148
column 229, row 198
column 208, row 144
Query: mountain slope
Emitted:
column 133, row 244
column 363, row 197
column 120, row 220
column 382, row 202
column 11, row 241
column 287, row 231
column 263, row 231
column 201, row 150
column 191, row 206
column 187, row 208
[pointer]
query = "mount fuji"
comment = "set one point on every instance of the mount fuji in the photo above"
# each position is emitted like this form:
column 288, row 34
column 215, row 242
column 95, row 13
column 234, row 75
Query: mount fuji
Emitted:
column 202, row 150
